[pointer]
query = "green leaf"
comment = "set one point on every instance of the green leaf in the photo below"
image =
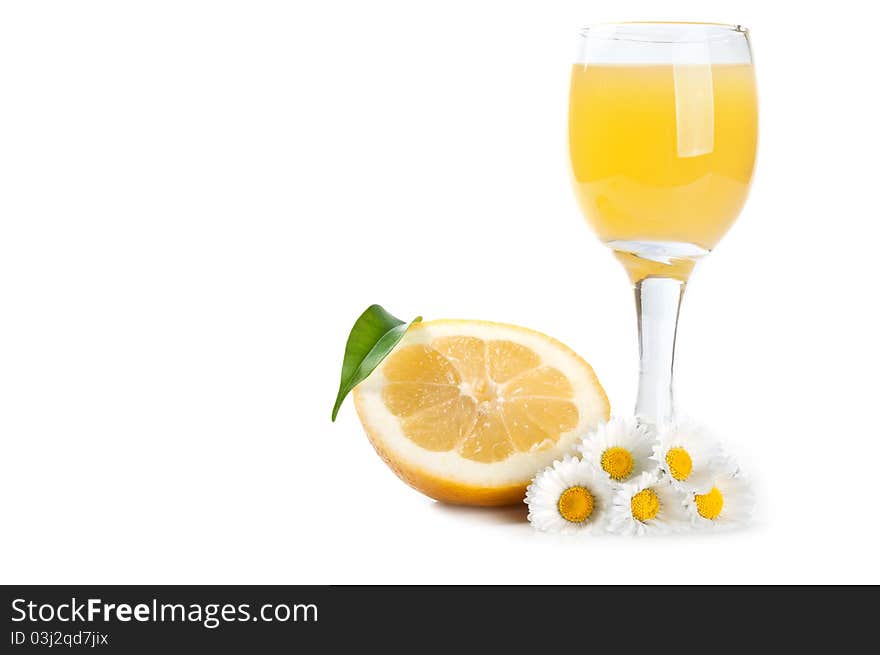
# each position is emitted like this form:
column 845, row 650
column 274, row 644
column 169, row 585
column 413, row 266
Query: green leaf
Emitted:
column 372, row 338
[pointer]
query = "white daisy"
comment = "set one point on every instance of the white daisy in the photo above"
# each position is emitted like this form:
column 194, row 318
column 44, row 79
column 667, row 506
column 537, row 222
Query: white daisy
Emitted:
column 729, row 501
column 688, row 455
column 647, row 505
column 569, row 497
column 620, row 448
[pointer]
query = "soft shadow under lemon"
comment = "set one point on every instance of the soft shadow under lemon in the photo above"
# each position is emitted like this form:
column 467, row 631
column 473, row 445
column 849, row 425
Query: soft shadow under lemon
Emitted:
column 508, row 515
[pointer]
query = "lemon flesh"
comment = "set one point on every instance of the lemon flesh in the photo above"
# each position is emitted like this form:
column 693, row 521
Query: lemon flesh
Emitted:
column 468, row 412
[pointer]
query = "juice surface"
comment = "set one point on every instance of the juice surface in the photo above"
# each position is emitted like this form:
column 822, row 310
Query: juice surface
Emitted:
column 662, row 152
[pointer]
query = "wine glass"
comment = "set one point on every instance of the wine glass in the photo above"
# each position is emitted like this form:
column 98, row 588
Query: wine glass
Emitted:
column 663, row 126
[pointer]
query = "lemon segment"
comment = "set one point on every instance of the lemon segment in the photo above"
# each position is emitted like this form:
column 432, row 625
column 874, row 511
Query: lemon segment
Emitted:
column 468, row 411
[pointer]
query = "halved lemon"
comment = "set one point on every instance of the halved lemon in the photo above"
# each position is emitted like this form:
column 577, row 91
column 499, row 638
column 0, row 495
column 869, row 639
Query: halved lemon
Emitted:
column 468, row 411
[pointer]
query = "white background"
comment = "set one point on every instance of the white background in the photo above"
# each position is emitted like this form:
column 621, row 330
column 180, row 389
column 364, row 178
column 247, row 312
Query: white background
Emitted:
column 198, row 198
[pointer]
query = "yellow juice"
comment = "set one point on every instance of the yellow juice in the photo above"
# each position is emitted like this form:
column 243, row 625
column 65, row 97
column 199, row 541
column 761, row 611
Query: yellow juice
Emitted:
column 662, row 156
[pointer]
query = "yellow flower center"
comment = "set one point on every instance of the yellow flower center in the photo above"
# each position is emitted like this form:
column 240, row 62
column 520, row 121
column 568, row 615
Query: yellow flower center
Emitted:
column 645, row 505
column 617, row 462
column 709, row 505
column 575, row 504
column 679, row 462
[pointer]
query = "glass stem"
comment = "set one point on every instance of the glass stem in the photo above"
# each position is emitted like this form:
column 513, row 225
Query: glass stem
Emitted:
column 658, row 300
